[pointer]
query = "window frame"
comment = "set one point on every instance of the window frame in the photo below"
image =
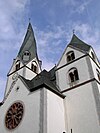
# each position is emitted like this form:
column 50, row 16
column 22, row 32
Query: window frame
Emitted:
column 70, row 56
column 34, row 66
column 73, row 75
column 17, row 65
column 26, row 54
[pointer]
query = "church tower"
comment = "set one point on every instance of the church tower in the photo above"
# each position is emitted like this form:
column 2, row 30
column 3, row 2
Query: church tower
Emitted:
column 78, row 77
column 27, row 63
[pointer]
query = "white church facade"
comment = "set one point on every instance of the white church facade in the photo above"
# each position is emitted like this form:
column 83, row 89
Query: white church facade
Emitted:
column 65, row 99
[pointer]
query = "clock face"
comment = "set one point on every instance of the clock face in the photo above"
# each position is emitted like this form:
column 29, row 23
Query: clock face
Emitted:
column 14, row 115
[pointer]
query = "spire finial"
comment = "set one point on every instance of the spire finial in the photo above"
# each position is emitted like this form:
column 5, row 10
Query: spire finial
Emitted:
column 29, row 20
column 73, row 31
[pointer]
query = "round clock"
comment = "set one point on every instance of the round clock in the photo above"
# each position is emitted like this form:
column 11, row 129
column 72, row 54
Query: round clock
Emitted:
column 14, row 115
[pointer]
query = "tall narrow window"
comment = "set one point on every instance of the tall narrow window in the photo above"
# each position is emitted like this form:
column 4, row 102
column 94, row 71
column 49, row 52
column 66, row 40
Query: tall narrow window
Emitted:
column 34, row 66
column 17, row 67
column 73, row 75
column 70, row 56
column 71, row 130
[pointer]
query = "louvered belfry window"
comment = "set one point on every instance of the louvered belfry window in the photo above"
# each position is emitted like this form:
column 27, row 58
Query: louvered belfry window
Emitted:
column 17, row 67
column 70, row 56
column 34, row 66
column 73, row 75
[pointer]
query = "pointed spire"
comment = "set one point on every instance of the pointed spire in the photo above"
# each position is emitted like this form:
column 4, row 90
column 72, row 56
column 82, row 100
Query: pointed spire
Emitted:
column 28, row 45
column 76, row 42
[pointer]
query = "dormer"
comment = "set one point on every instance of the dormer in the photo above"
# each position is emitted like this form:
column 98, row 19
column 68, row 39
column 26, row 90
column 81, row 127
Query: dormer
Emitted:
column 26, row 56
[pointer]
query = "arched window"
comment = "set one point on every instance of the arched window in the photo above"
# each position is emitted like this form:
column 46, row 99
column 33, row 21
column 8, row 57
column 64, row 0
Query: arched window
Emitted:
column 34, row 66
column 26, row 55
column 70, row 56
column 76, row 75
column 17, row 66
column 73, row 75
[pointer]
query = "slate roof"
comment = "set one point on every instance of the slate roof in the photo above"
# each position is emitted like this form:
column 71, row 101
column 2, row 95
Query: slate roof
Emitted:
column 29, row 44
column 44, row 79
column 77, row 43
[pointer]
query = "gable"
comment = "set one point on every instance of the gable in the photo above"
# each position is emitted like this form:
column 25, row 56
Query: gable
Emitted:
column 63, row 60
column 17, row 89
column 31, row 108
column 13, row 67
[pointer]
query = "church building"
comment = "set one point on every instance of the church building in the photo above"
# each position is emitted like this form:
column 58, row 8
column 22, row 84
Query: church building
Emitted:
column 65, row 99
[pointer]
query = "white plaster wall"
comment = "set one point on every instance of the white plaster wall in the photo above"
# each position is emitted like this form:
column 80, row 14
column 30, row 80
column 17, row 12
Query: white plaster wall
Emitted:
column 55, row 113
column 94, row 67
column 31, row 102
column 63, row 59
column 38, row 65
column 8, row 84
column 9, row 79
column 62, row 74
column 96, row 58
column 81, row 108
column 29, row 74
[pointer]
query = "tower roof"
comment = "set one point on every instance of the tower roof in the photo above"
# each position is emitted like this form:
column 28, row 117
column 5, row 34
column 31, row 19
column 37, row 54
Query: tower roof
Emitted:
column 29, row 44
column 77, row 43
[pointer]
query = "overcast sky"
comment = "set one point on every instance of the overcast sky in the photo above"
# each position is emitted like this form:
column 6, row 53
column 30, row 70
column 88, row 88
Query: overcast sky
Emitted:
column 53, row 22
